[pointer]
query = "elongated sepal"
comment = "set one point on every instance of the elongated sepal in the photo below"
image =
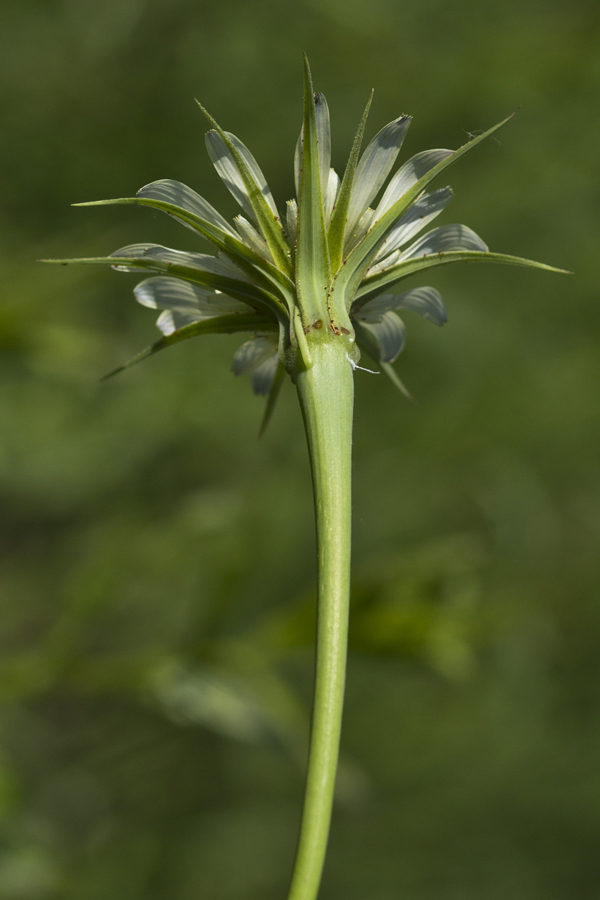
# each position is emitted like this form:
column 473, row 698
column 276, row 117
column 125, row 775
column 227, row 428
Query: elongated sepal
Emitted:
column 217, row 325
column 337, row 225
column 251, row 261
column 393, row 376
column 312, row 253
column 272, row 398
column 255, row 296
column 373, row 286
column 267, row 220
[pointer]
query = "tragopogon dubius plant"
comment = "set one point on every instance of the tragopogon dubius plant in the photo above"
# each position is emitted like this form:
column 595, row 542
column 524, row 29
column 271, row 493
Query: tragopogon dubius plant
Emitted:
column 313, row 288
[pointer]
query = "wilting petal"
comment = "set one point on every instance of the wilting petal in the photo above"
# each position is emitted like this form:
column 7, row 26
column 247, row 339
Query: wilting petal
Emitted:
column 252, row 354
column 216, row 264
column 183, row 196
column 375, row 166
column 425, row 301
column 291, row 220
column 172, row 320
column 359, row 231
column 323, row 139
column 262, row 377
column 174, row 294
column 330, row 196
column 218, row 274
column 416, row 217
column 227, row 169
column 409, row 174
column 252, row 238
column 245, row 180
column 298, row 161
column 135, row 251
column 385, row 339
column 444, row 239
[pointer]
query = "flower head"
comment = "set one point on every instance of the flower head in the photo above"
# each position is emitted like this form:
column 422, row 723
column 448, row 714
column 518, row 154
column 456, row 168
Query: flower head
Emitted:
column 332, row 267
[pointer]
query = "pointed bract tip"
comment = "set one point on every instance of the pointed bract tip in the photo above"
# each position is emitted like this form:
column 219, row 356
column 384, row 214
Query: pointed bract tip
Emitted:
column 307, row 72
column 139, row 357
column 111, row 374
column 406, row 392
column 206, row 113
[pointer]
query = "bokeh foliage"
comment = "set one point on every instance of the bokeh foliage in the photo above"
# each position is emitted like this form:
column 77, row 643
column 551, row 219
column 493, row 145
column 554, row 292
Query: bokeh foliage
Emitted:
column 157, row 566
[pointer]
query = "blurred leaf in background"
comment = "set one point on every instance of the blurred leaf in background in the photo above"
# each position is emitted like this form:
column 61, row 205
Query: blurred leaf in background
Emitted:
column 156, row 565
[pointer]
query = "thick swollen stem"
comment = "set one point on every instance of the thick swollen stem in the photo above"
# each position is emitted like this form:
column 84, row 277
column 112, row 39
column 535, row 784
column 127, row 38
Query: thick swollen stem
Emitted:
column 326, row 392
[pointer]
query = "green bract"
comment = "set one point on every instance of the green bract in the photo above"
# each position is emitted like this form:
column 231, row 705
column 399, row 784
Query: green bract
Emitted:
column 334, row 264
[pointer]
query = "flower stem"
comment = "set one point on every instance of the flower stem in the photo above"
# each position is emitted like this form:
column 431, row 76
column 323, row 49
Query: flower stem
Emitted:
column 326, row 393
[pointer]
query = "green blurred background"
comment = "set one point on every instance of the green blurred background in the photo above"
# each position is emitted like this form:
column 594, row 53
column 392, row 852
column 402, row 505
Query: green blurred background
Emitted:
column 156, row 569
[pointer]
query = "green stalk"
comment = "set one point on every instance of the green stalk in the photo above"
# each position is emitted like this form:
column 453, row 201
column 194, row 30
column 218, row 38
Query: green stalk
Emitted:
column 326, row 393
